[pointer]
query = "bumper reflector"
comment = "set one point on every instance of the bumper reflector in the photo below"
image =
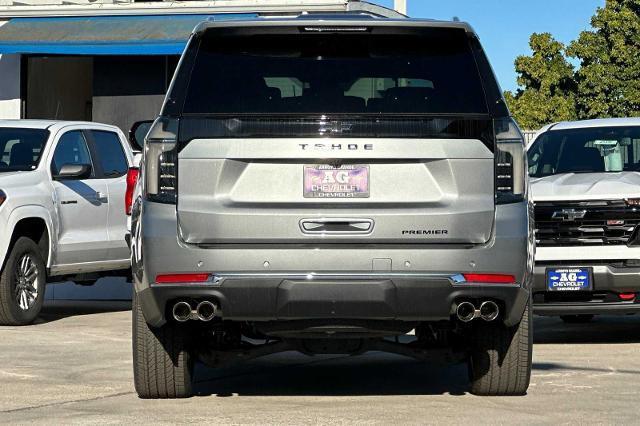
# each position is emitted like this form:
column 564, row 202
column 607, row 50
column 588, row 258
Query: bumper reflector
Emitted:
column 627, row 296
column 181, row 278
column 490, row 278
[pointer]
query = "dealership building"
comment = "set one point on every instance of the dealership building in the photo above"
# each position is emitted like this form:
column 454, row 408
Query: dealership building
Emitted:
column 111, row 61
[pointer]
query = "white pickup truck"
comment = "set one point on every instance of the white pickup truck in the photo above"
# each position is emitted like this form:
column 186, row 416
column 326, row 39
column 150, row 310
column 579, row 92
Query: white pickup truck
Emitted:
column 585, row 182
column 62, row 209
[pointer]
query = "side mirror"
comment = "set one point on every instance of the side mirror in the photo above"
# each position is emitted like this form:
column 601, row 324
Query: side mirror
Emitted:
column 74, row 171
column 137, row 133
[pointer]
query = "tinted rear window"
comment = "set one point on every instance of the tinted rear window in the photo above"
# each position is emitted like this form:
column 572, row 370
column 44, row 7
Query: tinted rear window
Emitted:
column 429, row 72
column 110, row 154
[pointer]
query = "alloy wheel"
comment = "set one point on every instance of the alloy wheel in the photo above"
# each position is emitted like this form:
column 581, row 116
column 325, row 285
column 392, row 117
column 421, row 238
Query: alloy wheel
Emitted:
column 26, row 276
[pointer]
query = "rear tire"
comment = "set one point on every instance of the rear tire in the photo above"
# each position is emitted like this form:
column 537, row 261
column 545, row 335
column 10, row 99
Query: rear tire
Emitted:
column 576, row 319
column 22, row 284
column 500, row 361
column 162, row 364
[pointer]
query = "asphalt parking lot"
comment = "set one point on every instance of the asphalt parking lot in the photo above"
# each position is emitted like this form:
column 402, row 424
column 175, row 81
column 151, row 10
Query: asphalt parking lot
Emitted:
column 74, row 366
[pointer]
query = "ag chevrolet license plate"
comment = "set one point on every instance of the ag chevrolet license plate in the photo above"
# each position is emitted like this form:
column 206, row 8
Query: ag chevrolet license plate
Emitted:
column 327, row 181
column 569, row 279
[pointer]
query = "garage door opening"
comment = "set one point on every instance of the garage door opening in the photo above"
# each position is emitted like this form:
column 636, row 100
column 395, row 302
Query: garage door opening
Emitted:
column 110, row 89
column 59, row 88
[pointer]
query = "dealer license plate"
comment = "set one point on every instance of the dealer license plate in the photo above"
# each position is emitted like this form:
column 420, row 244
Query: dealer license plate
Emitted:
column 345, row 181
column 569, row 279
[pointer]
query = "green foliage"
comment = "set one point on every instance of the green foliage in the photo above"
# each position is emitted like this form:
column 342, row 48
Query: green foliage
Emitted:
column 606, row 84
column 608, row 79
column 547, row 84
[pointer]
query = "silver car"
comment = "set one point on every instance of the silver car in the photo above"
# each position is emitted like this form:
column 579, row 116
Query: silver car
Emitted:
column 329, row 185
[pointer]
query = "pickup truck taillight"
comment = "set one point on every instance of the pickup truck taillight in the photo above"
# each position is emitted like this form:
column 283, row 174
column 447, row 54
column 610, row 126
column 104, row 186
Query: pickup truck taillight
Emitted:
column 161, row 161
column 132, row 181
column 511, row 162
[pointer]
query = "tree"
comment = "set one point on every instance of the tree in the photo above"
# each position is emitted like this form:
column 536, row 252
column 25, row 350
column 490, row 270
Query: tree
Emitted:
column 547, row 89
column 608, row 79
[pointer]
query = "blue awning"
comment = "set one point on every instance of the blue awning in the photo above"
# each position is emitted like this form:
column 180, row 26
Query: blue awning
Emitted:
column 103, row 35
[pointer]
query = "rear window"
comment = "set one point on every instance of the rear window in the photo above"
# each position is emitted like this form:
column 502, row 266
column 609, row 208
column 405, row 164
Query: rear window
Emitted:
column 110, row 154
column 426, row 72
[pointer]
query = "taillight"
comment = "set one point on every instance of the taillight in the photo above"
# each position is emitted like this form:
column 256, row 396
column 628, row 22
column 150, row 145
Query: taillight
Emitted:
column 511, row 162
column 161, row 161
column 132, row 180
column 181, row 278
column 627, row 296
column 490, row 278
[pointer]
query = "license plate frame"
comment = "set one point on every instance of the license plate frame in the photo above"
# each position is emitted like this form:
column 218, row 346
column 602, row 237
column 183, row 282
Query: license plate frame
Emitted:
column 569, row 279
column 335, row 182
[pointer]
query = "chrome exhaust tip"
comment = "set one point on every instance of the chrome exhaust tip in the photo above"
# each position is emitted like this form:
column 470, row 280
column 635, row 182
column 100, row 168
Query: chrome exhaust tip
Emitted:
column 489, row 310
column 182, row 311
column 206, row 311
column 466, row 311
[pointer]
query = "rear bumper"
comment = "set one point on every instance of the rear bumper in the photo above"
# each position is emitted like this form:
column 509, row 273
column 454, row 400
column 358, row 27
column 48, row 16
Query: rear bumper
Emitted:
column 557, row 309
column 379, row 282
column 381, row 297
column 608, row 282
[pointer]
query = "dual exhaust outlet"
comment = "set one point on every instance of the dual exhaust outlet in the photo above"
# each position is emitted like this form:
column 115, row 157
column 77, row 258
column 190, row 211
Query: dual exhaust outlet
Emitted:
column 467, row 311
column 204, row 311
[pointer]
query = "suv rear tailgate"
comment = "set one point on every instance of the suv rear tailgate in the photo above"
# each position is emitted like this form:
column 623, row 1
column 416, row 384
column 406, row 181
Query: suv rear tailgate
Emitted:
column 252, row 191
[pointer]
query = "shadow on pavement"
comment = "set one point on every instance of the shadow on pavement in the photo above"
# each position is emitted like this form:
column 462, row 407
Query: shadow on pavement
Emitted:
column 383, row 374
column 55, row 310
column 293, row 374
column 602, row 329
column 371, row 374
column 550, row 366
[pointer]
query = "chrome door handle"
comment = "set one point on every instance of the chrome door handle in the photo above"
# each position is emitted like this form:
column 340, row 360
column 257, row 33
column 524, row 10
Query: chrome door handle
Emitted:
column 336, row 226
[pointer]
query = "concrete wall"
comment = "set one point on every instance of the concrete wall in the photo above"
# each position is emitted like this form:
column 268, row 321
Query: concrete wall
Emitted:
column 123, row 111
column 10, row 103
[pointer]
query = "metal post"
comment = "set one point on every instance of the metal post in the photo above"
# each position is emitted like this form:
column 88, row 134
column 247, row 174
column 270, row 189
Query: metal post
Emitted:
column 400, row 6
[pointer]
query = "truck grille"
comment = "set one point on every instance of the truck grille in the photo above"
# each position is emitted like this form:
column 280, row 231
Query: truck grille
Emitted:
column 585, row 223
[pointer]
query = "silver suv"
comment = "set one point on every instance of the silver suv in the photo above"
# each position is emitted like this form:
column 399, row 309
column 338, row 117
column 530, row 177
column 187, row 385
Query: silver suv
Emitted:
column 329, row 186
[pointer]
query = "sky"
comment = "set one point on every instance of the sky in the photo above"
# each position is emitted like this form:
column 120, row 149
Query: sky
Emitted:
column 504, row 26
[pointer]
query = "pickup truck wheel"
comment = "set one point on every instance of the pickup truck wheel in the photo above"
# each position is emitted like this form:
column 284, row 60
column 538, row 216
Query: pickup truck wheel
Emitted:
column 500, row 361
column 22, row 284
column 162, row 365
column 576, row 319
